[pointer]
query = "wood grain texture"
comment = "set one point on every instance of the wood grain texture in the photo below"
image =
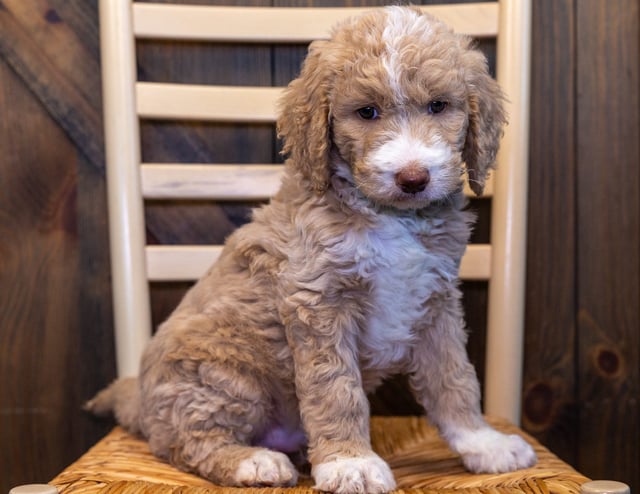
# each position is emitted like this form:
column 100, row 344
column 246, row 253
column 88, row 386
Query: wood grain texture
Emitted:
column 549, row 401
column 44, row 51
column 40, row 281
column 608, row 231
column 52, row 285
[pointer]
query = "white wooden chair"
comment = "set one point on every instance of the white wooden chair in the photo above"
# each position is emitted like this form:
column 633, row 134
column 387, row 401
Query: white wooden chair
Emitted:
column 130, row 181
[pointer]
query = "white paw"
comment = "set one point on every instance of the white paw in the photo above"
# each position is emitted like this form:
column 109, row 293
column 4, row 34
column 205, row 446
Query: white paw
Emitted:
column 489, row 451
column 359, row 475
column 266, row 468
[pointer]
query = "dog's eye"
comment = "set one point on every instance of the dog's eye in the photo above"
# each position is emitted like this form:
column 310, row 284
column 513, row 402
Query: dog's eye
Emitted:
column 368, row 113
column 437, row 106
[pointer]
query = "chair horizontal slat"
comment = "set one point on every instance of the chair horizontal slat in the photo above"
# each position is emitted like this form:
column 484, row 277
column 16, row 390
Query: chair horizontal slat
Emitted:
column 247, row 182
column 476, row 263
column 221, row 182
column 190, row 262
column 201, row 102
column 180, row 262
column 278, row 25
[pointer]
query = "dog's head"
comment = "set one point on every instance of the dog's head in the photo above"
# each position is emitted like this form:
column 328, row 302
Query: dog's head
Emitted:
column 396, row 103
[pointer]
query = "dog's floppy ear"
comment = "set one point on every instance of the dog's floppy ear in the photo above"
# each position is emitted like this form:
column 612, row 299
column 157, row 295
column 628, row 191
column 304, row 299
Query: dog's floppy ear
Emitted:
column 304, row 122
column 487, row 118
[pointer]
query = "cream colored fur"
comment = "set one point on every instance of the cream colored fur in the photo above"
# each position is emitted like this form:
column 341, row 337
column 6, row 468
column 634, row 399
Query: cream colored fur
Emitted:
column 348, row 276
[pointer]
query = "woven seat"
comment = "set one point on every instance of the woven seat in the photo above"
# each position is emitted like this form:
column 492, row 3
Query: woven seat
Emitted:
column 419, row 458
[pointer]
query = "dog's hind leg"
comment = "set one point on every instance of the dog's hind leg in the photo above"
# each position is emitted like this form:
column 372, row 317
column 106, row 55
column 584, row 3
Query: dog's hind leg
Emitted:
column 208, row 425
column 233, row 464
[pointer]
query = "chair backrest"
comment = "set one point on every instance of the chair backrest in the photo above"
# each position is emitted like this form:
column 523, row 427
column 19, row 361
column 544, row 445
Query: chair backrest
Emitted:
column 129, row 181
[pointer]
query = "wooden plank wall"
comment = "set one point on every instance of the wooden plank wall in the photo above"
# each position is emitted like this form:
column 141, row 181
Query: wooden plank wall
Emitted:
column 550, row 381
column 55, row 315
column 581, row 373
column 607, row 236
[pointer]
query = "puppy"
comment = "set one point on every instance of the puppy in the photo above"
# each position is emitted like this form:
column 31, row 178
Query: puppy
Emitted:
column 348, row 276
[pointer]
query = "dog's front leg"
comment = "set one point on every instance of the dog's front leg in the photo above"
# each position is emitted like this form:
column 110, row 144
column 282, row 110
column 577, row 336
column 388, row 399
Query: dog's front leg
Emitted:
column 445, row 383
column 333, row 405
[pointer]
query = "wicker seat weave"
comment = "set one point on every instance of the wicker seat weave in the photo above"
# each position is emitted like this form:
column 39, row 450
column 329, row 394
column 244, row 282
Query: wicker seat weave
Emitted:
column 421, row 462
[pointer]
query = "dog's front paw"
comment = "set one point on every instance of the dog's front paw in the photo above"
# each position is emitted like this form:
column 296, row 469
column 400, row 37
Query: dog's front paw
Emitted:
column 489, row 451
column 266, row 468
column 357, row 475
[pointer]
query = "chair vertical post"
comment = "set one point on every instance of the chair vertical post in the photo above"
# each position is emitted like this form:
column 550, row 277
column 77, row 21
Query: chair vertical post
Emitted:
column 125, row 203
column 505, row 336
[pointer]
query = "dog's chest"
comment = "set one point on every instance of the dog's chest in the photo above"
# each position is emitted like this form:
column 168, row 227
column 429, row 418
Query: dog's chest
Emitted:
column 402, row 274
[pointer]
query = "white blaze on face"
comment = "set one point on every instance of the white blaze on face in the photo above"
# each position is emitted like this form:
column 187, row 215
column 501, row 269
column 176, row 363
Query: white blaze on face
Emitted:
column 409, row 143
column 401, row 24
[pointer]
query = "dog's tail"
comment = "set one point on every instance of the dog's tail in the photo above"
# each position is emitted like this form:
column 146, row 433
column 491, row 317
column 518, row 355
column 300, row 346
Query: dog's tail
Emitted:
column 122, row 399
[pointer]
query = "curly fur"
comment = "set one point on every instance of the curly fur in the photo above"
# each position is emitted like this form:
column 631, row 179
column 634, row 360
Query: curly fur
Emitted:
column 349, row 275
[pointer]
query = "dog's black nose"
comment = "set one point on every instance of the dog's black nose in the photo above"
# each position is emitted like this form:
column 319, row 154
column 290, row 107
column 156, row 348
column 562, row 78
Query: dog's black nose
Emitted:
column 412, row 179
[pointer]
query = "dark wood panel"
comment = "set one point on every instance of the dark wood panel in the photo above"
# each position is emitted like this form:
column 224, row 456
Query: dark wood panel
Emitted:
column 608, row 229
column 39, row 280
column 55, row 323
column 92, row 362
column 549, row 401
column 44, row 51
